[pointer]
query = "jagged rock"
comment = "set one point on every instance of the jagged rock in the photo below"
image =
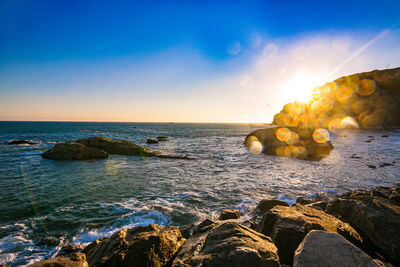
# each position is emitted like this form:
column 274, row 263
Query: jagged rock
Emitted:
column 121, row 147
column 375, row 214
column 227, row 244
column 22, row 142
column 70, row 260
column 296, row 142
column 227, row 214
column 320, row 248
column 74, row 151
column 151, row 141
column 262, row 207
column 162, row 138
column 69, row 248
column 319, row 205
column 287, row 226
column 151, row 245
column 305, row 200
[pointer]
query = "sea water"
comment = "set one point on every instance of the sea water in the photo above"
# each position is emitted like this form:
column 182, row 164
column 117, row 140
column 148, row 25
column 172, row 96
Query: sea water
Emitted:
column 45, row 204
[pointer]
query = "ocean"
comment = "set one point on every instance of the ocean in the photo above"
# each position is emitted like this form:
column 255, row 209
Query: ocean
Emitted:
column 45, row 204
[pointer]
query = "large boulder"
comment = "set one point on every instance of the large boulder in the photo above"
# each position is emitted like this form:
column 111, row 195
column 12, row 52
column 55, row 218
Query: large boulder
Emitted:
column 287, row 227
column 262, row 207
column 375, row 214
column 151, row 245
column 227, row 244
column 74, row 151
column 121, row 147
column 70, row 260
column 227, row 214
column 296, row 142
column 320, row 248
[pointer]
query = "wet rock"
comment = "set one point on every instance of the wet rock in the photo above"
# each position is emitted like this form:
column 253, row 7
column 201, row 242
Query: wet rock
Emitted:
column 262, row 207
column 151, row 245
column 375, row 214
column 162, row 138
column 304, row 200
column 385, row 164
column 227, row 244
column 296, row 142
column 227, row 214
column 151, row 141
column 121, row 147
column 325, row 196
column 368, row 141
column 371, row 166
column 69, row 248
column 385, row 136
column 22, row 142
column 164, row 155
column 74, row 151
column 320, row 248
column 70, row 260
column 287, row 226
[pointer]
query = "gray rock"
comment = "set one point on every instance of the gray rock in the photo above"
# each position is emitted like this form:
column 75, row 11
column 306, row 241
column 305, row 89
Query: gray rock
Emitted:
column 287, row 226
column 375, row 214
column 227, row 244
column 323, row 249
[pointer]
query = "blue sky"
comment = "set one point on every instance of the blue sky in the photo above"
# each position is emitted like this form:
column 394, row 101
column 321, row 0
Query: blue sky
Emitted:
column 180, row 60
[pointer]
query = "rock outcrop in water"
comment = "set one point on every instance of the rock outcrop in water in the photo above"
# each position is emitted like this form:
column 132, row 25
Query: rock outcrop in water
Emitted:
column 74, row 151
column 100, row 147
column 296, row 142
column 364, row 100
column 22, row 142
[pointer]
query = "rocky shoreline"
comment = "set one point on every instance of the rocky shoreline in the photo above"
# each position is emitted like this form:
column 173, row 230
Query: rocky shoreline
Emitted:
column 358, row 228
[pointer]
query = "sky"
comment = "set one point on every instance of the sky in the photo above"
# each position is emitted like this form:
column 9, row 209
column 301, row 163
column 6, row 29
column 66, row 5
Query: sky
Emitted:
column 183, row 61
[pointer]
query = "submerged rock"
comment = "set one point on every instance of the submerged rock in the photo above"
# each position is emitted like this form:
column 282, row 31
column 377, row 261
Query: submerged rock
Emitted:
column 74, row 151
column 227, row 214
column 70, row 260
column 22, row 142
column 375, row 214
column 162, row 138
column 121, row 147
column 287, row 226
column 151, row 141
column 296, row 142
column 320, row 248
column 151, row 245
column 227, row 244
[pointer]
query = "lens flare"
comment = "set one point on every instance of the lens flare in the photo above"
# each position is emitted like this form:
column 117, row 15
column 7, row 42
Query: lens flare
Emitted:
column 283, row 134
column 321, row 136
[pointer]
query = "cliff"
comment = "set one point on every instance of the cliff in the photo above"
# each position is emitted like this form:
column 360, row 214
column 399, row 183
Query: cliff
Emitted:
column 365, row 100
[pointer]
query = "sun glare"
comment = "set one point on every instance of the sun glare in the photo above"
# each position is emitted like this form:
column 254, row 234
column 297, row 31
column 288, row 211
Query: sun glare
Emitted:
column 299, row 87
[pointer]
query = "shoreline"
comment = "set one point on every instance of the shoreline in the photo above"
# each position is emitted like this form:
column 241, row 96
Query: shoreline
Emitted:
column 270, row 217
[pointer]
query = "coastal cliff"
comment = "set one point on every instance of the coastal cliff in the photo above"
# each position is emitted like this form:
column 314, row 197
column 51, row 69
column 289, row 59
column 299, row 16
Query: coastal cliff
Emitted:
column 365, row 100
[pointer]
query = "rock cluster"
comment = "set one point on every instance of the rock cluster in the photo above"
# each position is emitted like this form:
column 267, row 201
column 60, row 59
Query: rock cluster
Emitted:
column 365, row 232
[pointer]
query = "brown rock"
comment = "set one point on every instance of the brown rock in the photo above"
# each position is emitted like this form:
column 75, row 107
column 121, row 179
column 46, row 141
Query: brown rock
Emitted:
column 227, row 244
column 151, row 245
column 70, row 260
column 121, row 147
column 320, row 248
column 376, row 215
column 287, row 226
column 151, row 141
column 227, row 214
column 74, row 151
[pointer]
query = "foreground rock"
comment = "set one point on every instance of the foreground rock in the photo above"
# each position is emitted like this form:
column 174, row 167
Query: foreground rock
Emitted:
column 262, row 207
column 227, row 244
column 70, row 260
column 151, row 245
column 287, row 227
column 375, row 214
column 121, row 147
column 321, row 248
column 74, row 151
column 227, row 214
column 296, row 142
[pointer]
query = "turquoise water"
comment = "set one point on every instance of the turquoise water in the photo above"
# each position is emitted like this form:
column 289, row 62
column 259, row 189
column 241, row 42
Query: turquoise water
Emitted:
column 45, row 204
